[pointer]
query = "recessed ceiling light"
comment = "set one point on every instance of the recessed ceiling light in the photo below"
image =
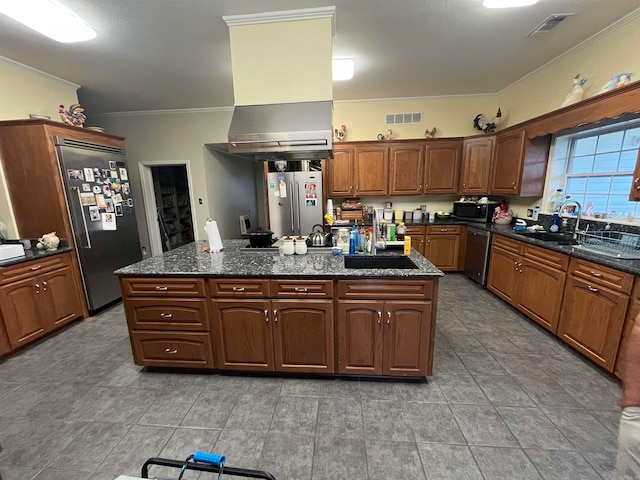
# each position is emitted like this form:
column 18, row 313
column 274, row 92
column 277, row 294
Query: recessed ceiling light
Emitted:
column 49, row 18
column 508, row 3
column 343, row 68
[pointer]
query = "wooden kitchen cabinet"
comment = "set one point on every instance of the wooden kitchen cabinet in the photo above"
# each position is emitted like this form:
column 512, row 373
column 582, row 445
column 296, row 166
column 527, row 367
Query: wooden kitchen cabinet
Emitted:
column 476, row 164
column 359, row 328
column 442, row 247
column 406, row 169
column 371, row 170
column 175, row 349
column 442, row 167
column 503, row 273
column 34, row 303
column 417, row 234
column 634, row 195
column 406, row 338
column 519, row 164
column 629, row 322
column 5, row 346
column 340, row 172
column 593, row 310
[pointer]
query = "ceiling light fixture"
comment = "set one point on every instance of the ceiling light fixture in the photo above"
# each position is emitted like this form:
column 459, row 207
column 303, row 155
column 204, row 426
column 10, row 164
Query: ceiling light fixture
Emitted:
column 342, row 68
column 49, row 18
column 508, row 3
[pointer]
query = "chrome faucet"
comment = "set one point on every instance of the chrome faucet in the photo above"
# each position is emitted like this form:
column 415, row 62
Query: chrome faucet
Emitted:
column 374, row 233
column 566, row 202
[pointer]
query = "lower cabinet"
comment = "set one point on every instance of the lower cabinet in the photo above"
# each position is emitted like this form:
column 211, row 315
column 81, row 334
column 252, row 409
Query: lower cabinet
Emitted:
column 175, row 349
column 629, row 322
column 443, row 247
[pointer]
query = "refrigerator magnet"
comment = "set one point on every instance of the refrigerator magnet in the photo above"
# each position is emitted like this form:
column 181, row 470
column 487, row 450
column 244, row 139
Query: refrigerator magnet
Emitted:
column 96, row 172
column 100, row 201
column 97, row 189
column 123, row 174
column 87, row 199
column 283, row 189
column 130, row 202
column 94, row 214
column 117, row 198
column 88, row 174
column 75, row 175
column 86, row 187
column 112, row 165
column 108, row 221
column 125, row 189
column 109, row 205
column 114, row 175
column 118, row 209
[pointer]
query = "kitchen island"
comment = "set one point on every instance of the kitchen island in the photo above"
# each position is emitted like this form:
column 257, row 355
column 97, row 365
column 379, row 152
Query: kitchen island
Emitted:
column 254, row 311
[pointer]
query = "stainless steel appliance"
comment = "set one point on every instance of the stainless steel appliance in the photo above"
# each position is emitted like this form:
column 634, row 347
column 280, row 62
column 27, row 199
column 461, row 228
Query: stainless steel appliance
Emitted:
column 474, row 211
column 295, row 202
column 99, row 202
column 476, row 260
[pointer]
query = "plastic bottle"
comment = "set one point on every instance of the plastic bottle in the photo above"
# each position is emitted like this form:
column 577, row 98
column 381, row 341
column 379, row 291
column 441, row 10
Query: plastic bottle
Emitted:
column 536, row 213
column 554, row 223
column 401, row 230
column 555, row 201
column 352, row 244
column 407, row 244
column 355, row 236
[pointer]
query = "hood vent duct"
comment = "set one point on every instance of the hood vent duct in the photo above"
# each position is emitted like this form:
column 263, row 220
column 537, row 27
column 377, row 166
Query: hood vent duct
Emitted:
column 282, row 131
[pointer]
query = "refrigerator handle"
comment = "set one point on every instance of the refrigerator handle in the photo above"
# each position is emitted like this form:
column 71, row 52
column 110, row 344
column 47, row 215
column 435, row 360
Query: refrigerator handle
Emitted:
column 84, row 220
column 299, row 208
column 293, row 224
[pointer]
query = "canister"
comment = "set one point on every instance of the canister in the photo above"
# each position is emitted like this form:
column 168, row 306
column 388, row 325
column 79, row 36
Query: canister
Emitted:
column 399, row 215
column 417, row 215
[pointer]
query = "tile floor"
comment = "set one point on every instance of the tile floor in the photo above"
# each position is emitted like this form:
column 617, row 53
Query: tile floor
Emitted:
column 507, row 401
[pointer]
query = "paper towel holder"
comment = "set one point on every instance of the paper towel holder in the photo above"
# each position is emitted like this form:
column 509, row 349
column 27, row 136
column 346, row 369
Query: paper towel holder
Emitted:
column 215, row 242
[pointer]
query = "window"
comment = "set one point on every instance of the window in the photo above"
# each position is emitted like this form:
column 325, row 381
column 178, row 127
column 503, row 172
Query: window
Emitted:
column 595, row 167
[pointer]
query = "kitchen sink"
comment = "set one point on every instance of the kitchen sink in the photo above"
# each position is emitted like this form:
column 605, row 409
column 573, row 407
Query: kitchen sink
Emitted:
column 379, row 261
column 565, row 238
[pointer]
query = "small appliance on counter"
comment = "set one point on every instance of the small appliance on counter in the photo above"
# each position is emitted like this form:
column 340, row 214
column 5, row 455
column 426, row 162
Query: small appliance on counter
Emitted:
column 480, row 212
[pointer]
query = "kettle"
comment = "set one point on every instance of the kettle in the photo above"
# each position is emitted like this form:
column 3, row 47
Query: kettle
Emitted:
column 319, row 238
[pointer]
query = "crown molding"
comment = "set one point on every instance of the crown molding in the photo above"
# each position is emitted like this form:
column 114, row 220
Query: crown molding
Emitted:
column 36, row 72
column 176, row 111
column 413, row 99
column 283, row 16
column 631, row 16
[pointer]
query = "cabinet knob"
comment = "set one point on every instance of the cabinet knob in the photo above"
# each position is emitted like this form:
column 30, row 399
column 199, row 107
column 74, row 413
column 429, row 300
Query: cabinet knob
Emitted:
column 464, row 185
column 275, row 315
column 166, row 315
column 388, row 318
column 379, row 317
column 44, row 286
column 162, row 289
column 171, row 351
column 515, row 264
column 636, row 183
column 37, row 286
column 266, row 315
column 238, row 289
column 592, row 289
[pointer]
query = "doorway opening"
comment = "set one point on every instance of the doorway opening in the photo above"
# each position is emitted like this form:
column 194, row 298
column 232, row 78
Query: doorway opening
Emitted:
column 168, row 202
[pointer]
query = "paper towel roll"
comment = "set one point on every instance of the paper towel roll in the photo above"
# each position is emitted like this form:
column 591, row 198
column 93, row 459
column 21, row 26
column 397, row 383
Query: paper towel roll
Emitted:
column 329, row 206
column 215, row 242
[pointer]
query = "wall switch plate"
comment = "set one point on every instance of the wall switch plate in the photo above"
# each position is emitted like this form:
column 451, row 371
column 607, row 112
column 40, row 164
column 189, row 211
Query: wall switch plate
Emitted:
column 529, row 212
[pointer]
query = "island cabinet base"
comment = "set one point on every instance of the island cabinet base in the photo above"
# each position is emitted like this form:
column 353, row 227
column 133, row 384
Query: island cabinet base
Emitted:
column 370, row 327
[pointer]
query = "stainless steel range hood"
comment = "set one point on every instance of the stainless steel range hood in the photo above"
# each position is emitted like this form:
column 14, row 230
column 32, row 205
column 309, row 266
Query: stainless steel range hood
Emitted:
column 282, row 131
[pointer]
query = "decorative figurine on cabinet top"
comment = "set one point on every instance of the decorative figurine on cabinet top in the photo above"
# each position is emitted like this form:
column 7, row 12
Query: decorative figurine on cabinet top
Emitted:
column 576, row 93
column 389, row 134
column 618, row 80
column 430, row 133
column 341, row 133
column 487, row 126
column 74, row 116
column 49, row 241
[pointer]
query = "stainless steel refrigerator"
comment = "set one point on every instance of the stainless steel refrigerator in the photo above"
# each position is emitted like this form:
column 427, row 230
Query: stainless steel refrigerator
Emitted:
column 101, row 208
column 295, row 202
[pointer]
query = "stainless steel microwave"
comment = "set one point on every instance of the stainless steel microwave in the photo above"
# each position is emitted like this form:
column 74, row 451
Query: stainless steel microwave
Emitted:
column 474, row 212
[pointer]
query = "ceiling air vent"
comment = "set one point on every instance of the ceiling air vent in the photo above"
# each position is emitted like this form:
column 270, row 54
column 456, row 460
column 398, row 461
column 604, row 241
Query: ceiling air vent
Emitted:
column 549, row 23
column 402, row 118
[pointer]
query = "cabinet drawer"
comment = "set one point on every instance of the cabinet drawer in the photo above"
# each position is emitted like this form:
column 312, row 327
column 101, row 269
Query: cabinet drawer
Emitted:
column 507, row 244
column 166, row 287
column 36, row 267
column 601, row 275
column 239, row 287
column 301, row 289
column 386, row 289
column 413, row 230
column 172, row 349
column 444, row 230
column 167, row 314
column 553, row 259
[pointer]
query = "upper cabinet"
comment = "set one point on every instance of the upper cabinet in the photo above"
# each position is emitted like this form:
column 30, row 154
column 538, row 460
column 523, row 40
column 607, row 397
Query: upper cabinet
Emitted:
column 339, row 172
column 371, row 170
column 406, row 169
column 476, row 164
column 519, row 164
column 442, row 167
column 634, row 196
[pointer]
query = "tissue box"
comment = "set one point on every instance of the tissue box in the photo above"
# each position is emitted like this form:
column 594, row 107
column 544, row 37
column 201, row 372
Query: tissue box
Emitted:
column 11, row 251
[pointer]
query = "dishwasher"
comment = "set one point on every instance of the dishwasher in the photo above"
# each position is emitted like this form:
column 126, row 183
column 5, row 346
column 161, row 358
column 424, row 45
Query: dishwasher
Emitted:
column 476, row 260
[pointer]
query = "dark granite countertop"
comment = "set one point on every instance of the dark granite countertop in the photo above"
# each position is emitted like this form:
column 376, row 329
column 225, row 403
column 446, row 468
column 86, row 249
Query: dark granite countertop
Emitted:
column 33, row 254
column 191, row 261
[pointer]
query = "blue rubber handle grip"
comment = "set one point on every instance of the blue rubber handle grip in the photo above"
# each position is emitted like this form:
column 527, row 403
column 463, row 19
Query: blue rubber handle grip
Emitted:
column 212, row 458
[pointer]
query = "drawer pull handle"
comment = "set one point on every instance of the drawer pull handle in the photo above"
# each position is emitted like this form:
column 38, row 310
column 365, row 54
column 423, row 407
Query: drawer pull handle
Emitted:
column 37, row 267
column 275, row 315
column 171, row 351
column 162, row 289
column 388, row 318
column 444, row 230
column 379, row 318
column 37, row 286
column 266, row 315
column 238, row 289
column 595, row 274
column 44, row 286
column 166, row 315
column 300, row 290
column 591, row 289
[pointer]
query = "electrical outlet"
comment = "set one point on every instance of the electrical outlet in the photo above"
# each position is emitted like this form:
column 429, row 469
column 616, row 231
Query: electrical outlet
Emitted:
column 529, row 212
column 200, row 201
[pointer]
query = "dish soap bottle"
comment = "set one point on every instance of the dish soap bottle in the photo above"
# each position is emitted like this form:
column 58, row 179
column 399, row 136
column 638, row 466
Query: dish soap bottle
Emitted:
column 554, row 223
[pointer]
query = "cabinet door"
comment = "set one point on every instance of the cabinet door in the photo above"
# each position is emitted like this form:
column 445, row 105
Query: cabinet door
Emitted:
column 303, row 336
column 634, row 195
column 19, row 302
column 476, row 165
column 340, row 172
column 540, row 294
column 507, row 163
column 242, row 335
column 372, row 170
column 406, row 169
column 60, row 298
column 418, row 242
column 406, row 338
column 442, row 167
column 443, row 251
column 5, row 346
column 632, row 313
column 360, row 337
column 504, row 274
column 591, row 320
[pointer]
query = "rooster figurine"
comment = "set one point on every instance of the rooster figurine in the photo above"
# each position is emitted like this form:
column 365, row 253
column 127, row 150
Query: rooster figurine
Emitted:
column 74, row 116
column 430, row 133
column 341, row 133
column 487, row 126
column 576, row 93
